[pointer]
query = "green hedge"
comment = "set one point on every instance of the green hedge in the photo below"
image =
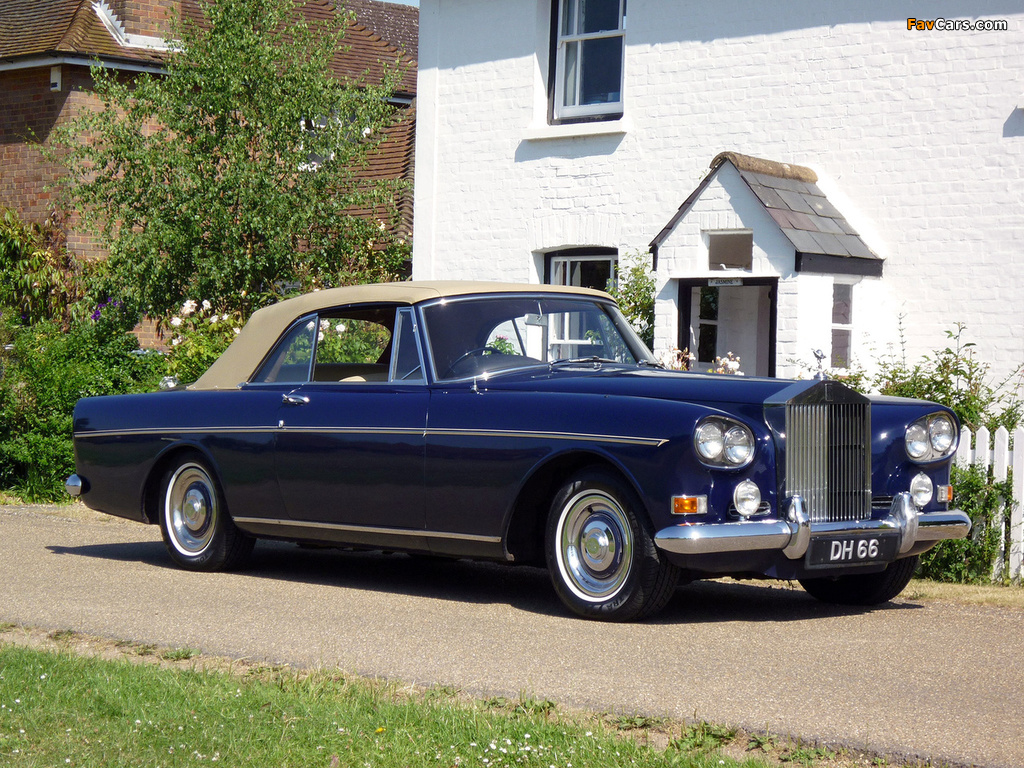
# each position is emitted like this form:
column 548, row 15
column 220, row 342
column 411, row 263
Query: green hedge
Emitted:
column 44, row 373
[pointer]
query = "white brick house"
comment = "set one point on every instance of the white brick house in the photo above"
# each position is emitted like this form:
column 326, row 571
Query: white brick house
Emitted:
column 554, row 138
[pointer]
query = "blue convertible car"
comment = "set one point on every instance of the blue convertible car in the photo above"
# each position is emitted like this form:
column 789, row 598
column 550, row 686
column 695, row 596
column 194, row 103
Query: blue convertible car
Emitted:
column 522, row 425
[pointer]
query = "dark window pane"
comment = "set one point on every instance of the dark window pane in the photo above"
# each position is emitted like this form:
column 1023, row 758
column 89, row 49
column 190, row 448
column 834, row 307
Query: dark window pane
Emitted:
column 599, row 15
column 840, row 348
column 708, row 303
column 595, row 274
column 842, row 304
column 602, row 71
column 707, row 343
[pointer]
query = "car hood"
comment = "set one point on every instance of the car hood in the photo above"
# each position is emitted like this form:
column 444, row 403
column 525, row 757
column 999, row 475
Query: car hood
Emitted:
column 681, row 386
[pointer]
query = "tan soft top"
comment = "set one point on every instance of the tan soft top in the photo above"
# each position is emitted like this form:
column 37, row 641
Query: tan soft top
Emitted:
column 266, row 325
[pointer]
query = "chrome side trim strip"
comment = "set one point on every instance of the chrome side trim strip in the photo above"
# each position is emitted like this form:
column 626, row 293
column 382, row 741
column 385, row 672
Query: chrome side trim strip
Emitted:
column 131, row 432
column 653, row 442
column 367, row 529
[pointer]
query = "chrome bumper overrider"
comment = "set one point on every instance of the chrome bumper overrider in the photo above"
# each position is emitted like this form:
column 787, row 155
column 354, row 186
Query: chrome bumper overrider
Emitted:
column 74, row 485
column 793, row 535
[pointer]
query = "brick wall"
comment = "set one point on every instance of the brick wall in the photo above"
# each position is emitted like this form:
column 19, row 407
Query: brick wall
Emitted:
column 921, row 132
column 145, row 17
column 29, row 112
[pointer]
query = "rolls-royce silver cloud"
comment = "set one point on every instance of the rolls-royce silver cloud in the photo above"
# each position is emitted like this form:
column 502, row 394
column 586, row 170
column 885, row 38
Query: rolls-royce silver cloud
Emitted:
column 522, row 425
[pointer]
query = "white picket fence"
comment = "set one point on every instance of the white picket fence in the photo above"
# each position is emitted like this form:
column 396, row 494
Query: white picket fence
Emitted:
column 996, row 453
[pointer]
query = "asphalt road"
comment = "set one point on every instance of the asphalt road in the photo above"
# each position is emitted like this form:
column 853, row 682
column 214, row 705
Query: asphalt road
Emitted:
column 927, row 680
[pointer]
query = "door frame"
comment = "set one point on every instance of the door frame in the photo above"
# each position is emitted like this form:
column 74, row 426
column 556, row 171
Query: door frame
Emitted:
column 684, row 305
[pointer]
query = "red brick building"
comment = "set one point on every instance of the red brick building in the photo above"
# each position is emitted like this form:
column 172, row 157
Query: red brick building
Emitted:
column 48, row 46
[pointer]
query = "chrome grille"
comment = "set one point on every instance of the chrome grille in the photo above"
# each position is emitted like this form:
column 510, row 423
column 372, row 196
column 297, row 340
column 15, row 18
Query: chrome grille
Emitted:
column 828, row 457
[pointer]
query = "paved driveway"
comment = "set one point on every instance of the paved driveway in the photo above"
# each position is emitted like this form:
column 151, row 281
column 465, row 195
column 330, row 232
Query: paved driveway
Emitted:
column 931, row 680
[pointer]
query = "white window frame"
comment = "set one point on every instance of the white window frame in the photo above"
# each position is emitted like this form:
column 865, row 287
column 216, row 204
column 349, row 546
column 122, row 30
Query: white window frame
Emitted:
column 562, row 43
column 562, row 266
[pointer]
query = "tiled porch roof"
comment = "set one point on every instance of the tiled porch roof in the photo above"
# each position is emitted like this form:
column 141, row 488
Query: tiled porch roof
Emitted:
column 822, row 237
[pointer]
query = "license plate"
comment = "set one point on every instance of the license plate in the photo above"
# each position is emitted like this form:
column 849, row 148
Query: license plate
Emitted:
column 850, row 550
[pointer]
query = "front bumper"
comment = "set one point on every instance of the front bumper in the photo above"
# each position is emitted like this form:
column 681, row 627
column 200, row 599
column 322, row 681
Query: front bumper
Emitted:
column 792, row 536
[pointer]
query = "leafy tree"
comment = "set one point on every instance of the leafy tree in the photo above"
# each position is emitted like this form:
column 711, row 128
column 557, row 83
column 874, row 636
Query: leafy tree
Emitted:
column 234, row 176
column 633, row 289
column 39, row 279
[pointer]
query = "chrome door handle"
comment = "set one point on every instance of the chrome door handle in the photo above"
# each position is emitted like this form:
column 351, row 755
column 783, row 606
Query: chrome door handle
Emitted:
column 293, row 399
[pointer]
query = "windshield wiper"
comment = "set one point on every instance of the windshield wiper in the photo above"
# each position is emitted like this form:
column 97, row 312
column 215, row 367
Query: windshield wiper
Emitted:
column 576, row 360
column 649, row 364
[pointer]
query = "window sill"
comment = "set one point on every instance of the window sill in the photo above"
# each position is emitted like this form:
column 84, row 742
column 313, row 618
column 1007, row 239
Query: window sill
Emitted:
column 543, row 131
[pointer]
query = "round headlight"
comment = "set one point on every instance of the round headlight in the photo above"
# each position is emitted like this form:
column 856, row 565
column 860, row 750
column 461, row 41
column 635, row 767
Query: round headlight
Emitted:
column 710, row 440
column 739, row 445
column 747, row 498
column 941, row 434
column 917, row 441
column 921, row 489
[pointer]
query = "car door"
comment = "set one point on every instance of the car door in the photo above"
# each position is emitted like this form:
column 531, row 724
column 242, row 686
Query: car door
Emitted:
column 350, row 437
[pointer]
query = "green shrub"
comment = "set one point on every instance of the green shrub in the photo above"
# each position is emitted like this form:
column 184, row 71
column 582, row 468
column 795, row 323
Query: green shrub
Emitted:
column 44, row 374
column 956, row 378
column 633, row 289
column 987, row 502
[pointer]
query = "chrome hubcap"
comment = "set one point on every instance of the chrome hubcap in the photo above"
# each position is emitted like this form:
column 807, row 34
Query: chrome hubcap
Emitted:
column 595, row 546
column 190, row 508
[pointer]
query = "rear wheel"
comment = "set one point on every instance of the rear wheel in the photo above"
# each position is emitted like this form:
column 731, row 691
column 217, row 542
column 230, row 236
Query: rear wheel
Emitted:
column 600, row 552
column 197, row 530
column 864, row 589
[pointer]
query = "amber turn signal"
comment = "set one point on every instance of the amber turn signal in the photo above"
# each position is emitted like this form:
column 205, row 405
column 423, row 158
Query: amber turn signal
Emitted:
column 689, row 505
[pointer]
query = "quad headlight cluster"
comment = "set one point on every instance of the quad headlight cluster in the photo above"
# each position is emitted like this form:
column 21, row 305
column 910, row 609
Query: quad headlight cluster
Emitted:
column 722, row 442
column 931, row 438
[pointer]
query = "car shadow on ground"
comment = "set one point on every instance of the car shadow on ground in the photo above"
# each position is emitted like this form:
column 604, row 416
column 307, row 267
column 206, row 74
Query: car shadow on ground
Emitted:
column 524, row 588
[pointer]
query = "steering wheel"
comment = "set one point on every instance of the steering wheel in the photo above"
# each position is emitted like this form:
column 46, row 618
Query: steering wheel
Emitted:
column 475, row 351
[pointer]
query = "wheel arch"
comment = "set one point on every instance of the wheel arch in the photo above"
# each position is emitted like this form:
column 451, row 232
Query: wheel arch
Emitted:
column 524, row 536
column 169, row 458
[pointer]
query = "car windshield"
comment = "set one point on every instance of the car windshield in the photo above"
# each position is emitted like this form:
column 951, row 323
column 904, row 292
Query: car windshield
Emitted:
column 468, row 337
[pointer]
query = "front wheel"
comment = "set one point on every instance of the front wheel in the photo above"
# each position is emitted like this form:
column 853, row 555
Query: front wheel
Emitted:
column 601, row 555
column 864, row 589
column 197, row 530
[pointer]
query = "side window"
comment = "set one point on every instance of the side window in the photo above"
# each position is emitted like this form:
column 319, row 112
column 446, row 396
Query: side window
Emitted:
column 407, row 365
column 291, row 359
column 588, row 44
column 842, row 324
column 354, row 345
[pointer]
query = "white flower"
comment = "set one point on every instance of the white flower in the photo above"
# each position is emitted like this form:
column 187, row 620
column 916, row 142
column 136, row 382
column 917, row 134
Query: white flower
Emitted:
column 237, row 331
column 206, row 305
column 188, row 308
column 176, row 341
column 341, row 328
column 225, row 316
column 213, row 320
column 175, row 321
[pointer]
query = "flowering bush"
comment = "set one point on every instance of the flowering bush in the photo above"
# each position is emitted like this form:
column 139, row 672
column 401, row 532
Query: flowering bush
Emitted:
column 199, row 334
column 730, row 364
column 677, row 359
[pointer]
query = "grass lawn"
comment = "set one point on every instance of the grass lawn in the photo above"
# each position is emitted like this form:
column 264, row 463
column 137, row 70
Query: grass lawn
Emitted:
column 58, row 707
